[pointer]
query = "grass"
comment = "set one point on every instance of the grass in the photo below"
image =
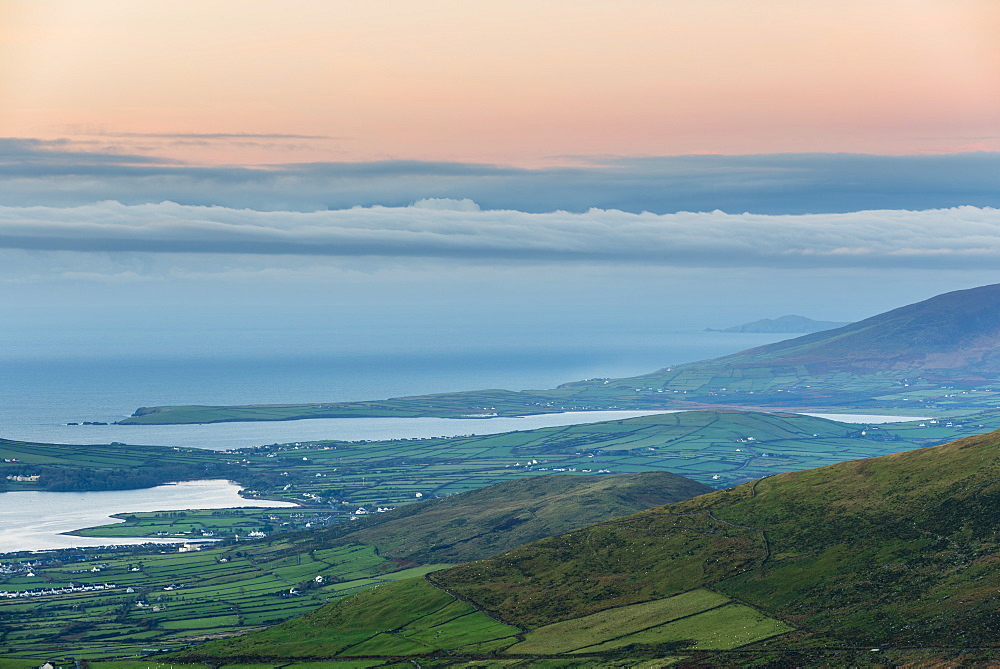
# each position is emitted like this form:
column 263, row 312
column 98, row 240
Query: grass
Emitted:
column 605, row 626
column 105, row 466
column 489, row 520
column 140, row 664
column 451, row 405
column 212, row 522
column 342, row 664
column 898, row 549
column 371, row 622
column 173, row 599
column 723, row 628
column 253, row 583
column 201, row 623
column 703, row 384
column 333, row 479
column 166, row 599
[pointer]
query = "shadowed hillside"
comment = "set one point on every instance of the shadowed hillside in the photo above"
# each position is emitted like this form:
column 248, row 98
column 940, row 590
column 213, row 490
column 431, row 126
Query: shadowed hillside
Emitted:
column 898, row 550
column 942, row 354
column 481, row 523
column 168, row 599
column 957, row 331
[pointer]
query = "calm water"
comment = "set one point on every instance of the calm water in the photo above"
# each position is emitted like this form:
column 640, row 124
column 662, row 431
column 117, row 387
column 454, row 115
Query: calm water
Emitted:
column 35, row 520
column 39, row 395
column 225, row 436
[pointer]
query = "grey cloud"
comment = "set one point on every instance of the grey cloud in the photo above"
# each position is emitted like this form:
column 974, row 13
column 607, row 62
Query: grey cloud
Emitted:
column 34, row 172
column 958, row 238
column 404, row 168
column 17, row 154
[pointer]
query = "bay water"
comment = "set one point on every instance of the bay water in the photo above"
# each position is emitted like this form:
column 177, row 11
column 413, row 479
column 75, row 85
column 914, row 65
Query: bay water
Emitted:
column 37, row 520
column 41, row 391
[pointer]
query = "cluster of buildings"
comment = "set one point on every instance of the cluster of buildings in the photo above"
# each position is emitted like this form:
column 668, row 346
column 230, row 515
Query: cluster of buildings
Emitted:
column 47, row 592
column 362, row 511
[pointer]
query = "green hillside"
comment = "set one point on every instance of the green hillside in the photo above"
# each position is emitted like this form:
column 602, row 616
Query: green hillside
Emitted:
column 953, row 334
column 166, row 599
column 893, row 551
column 484, row 522
column 334, row 478
column 934, row 356
column 897, row 549
column 407, row 618
column 938, row 356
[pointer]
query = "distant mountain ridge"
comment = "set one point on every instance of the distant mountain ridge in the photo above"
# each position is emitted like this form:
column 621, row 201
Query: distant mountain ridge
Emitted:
column 959, row 330
column 938, row 355
column 941, row 354
column 784, row 324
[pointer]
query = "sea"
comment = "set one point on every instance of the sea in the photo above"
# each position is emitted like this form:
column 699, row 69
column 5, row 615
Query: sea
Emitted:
column 41, row 394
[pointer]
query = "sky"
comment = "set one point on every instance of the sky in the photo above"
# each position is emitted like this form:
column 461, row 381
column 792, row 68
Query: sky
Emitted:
column 412, row 174
column 523, row 83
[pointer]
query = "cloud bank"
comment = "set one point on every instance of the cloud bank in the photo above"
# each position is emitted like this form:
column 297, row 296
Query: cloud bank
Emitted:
column 956, row 238
column 61, row 173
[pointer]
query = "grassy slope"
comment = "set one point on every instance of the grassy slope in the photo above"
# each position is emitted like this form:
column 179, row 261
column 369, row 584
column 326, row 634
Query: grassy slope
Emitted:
column 105, row 466
column 898, row 549
column 910, row 358
column 433, row 622
column 236, row 588
column 490, row 520
column 697, row 618
column 406, row 618
column 894, row 550
column 949, row 333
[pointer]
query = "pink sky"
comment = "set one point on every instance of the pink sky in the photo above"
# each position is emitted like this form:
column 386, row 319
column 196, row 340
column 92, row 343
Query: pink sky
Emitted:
column 517, row 82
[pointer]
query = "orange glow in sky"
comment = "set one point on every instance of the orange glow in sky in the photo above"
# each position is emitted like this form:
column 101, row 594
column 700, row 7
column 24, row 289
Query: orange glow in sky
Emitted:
column 519, row 82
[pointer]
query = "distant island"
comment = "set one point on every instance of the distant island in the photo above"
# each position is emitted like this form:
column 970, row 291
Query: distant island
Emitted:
column 785, row 324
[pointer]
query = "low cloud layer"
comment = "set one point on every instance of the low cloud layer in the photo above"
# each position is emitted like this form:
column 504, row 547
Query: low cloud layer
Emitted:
column 957, row 238
column 62, row 173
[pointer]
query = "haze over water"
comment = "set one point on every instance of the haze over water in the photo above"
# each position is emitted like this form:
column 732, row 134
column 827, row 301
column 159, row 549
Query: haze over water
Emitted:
column 40, row 395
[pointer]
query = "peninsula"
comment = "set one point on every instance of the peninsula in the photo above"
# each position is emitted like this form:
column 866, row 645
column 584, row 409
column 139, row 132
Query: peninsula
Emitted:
column 936, row 357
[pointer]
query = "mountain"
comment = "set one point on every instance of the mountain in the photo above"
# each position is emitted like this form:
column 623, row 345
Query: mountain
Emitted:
column 942, row 354
column 484, row 522
column 901, row 550
column 784, row 324
column 939, row 355
column 954, row 333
